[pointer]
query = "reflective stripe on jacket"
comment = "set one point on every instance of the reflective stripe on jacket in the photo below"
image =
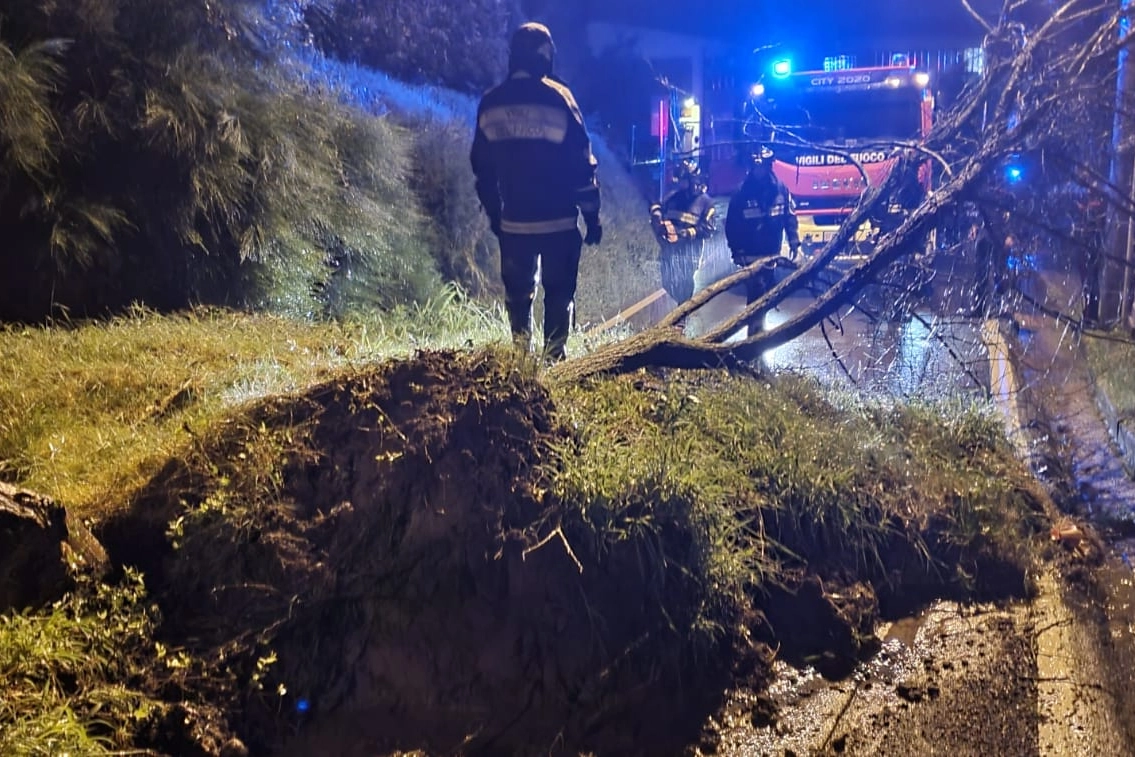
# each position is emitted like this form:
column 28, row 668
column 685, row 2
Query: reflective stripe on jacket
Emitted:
column 532, row 157
column 688, row 209
column 760, row 216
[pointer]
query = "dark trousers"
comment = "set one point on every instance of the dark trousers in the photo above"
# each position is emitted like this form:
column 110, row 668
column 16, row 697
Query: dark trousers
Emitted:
column 759, row 285
column 756, row 288
column 550, row 259
column 679, row 264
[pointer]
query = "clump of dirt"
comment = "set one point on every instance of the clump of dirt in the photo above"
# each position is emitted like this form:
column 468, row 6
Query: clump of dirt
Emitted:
column 827, row 625
column 375, row 565
column 379, row 564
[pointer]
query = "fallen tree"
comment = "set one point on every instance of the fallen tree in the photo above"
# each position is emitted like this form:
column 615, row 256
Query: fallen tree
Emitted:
column 1048, row 77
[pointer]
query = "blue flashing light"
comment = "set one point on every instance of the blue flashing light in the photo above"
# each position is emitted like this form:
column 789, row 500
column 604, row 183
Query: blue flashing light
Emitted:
column 1021, row 262
column 782, row 67
column 1014, row 169
column 303, row 705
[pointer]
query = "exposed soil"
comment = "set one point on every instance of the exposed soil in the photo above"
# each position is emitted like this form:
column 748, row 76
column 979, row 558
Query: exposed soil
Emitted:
column 409, row 576
column 376, row 566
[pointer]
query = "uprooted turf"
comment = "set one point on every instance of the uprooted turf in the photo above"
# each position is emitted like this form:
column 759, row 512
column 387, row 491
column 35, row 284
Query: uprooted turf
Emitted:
column 442, row 553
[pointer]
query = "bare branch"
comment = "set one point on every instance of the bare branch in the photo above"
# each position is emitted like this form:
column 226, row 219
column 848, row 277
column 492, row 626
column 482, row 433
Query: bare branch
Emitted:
column 977, row 16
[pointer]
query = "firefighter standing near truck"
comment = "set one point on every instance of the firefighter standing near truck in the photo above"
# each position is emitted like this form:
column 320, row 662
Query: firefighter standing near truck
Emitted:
column 535, row 175
column 760, row 217
column 682, row 221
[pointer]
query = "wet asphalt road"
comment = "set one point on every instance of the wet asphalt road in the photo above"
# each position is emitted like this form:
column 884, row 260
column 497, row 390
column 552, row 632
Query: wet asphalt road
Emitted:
column 930, row 354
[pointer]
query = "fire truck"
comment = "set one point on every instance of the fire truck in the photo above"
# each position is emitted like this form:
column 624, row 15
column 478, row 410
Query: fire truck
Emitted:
column 817, row 120
column 814, row 120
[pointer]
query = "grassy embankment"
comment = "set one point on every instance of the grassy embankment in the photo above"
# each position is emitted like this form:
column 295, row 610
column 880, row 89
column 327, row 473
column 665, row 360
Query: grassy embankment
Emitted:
column 1111, row 364
column 94, row 410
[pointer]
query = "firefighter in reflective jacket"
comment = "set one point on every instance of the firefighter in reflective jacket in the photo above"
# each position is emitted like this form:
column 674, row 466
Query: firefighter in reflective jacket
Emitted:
column 682, row 221
column 760, row 216
column 535, row 174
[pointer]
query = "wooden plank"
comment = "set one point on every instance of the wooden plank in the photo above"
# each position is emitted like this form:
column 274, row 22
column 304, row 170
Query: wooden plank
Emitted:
column 625, row 314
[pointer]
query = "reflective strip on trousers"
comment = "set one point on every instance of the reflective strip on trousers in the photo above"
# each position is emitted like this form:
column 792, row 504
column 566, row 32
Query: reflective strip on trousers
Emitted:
column 539, row 227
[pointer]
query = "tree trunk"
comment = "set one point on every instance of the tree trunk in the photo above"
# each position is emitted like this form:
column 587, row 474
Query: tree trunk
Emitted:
column 40, row 548
column 662, row 346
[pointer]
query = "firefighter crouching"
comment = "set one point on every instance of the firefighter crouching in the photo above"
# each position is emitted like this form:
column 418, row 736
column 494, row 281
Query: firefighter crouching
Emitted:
column 760, row 215
column 535, row 174
column 682, row 221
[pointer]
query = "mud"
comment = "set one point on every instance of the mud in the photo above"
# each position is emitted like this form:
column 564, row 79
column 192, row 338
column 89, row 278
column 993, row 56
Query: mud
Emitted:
column 1084, row 466
column 1114, row 603
column 955, row 680
column 1050, row 676
column 829, row 626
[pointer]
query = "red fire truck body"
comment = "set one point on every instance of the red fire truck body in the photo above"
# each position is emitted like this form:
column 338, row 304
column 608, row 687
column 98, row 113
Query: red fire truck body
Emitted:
column 812, row 120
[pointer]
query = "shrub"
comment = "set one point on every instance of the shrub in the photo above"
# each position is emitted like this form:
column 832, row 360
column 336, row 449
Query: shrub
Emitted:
column 157, row 156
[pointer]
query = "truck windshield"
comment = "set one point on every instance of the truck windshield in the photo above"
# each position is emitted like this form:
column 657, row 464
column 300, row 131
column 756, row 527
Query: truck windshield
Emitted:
column 847, row 117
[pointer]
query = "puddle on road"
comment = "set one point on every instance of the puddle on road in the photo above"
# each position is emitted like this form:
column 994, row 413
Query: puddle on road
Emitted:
column 904, row 630
column 925, row 355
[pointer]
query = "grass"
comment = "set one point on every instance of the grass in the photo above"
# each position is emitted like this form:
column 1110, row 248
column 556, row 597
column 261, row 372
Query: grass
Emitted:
column 717, row 484
column 96, row 408
column 67, row 673
column 1111, row 364
column 770, row 476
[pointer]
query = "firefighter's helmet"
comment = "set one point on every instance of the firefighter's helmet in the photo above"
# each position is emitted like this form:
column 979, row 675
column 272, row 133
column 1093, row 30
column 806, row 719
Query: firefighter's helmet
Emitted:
column 760, row 155
column 531, row 50
column 688, row 169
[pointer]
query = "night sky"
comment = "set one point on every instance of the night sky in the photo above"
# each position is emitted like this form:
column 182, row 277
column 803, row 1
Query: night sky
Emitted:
column 755, row 22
